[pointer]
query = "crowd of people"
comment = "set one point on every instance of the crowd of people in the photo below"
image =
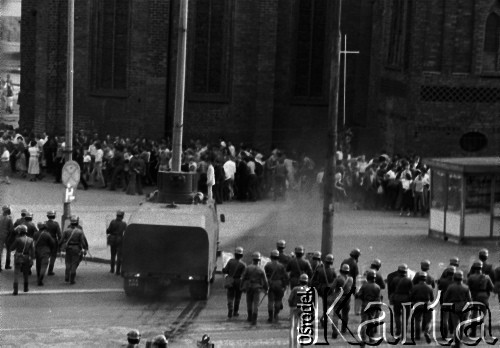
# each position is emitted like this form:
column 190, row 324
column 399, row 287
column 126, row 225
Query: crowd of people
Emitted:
column 226, row 172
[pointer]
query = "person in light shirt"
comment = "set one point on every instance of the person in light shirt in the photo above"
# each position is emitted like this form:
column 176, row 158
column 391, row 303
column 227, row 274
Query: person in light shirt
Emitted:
column 230, row 171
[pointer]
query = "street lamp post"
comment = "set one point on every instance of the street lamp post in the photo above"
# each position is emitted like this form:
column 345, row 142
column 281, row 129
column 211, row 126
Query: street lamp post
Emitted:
column 333, row 108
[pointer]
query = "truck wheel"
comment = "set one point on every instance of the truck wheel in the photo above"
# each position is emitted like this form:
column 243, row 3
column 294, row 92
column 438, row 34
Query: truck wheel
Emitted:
column 199, row 290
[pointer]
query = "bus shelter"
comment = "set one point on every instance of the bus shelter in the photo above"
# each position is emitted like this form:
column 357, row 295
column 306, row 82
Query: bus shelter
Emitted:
column 465, row 198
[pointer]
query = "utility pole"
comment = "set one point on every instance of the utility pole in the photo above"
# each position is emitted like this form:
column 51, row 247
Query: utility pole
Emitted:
column 345, row 52
column 333, row 113
column 179, row 88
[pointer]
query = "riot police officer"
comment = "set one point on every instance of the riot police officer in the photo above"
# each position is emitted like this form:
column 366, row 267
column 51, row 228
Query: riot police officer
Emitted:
column 480, row 286
column 28, row 222
column 400, row 289
column 443, row 284
column 316, row 261
column 253, row 281
column 425, row 265
column 6, row 230
column 74, row 243
column 278, row 280
column 422, row 292
column 455, row 262
column 234, row 269
column 352, row 261
column 44, row 247
column 379, row 280
column 345, row 273
column 283, row 259
column 324, row 276
column 369, row 292
column 457, row 294
column 298, row 266
column 23, row 257
column 114, row 235
column 133, row 338
column 21, row 220
column 294, row 299
column 54, row 230
column 487, row 268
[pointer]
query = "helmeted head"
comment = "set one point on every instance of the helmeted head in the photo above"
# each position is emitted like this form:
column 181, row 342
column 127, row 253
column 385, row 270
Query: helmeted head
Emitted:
column 458, row 276
column 376, row 264
column 28, row 216
column 160, row 341
column 355, row 253
column 51, row 214
column 134, row 336
column 421, row 275
column 22, row 230
column 281, row 244
column 329, row 259
column 450, row 270
column 275, row 254
column 299, row 251
column 303, row 279
column 120, row 214
column 403, row 268
column 317, row 255
column 345, row 269
column 477, row 266
column 6, row 209
column 371, row 275
column 24, row 212
column 41, row 226
column 256, row 256
column 238, row 251
column 205, row 339
column 483, row 254
column 73, row 220
column 454, row 261
column 425, row 265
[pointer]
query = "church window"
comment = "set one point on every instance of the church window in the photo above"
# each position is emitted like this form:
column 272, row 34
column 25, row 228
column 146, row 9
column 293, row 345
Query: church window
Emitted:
column 491, row 44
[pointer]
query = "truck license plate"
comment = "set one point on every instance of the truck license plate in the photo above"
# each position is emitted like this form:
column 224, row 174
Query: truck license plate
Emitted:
column 133, row 282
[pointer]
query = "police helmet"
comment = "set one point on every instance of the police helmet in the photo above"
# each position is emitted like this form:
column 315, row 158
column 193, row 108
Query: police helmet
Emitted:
column 41, row 226
column 450, row 270
column 329, row 258
column 281, row 244
column 317, row 255
column 421, row 275
column 304, row 278
column 345, row 268
column 256, row 256
column 29, row 215
column 371, row 274
column 275, row 253
column 355, row 253
column 483, row 252
column 425, row 265
column 24, row 212
column 5, row 208
column 51, row 213
column 134, row 334
column 299, row 250
column 459, row 275
column 454, row 261
column 403, row 267
column 22, row 229
column 120, row 213
column 377, row 263
column 238, row 251
column 73, row 219
column 205, row 339
column 160, row 340
column 477, row 265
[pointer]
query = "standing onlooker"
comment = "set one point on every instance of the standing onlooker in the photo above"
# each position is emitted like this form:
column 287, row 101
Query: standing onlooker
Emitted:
column 229, row 171
column 210, row 179
column 34, row 163
column 21, row 159
column 418, row 194
column 96, row 174
column 4, row 163
column 407, row 193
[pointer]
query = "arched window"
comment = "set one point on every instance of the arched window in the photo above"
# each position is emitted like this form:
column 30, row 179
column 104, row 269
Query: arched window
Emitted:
column 491, row 42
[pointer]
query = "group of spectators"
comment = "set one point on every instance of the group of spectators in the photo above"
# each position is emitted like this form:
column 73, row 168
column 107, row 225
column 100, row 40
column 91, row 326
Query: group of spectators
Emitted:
column 228, row 172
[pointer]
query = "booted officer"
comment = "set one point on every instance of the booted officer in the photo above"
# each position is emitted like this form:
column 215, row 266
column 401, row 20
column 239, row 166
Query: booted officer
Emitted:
column 422, row 292
column 114, row 235
column 443, row 284
column 298, row 266
column 458, row 294
column 234, row 268
column 21, row 220
column 28, row 222
column 6, row 230
column 294, row 298
column 283, row 259
column 352, row 261
column 425, row 265
column 133, row 338
column 379, row 280
column 23, row 257
column 345, row 272
column 55, row 232
column 480, row 286
column 400, row 288
column 44, row 247
column 369, row 292
column 324, row 277
column 487, row 267
column 278, row 281
column 74, row 243
column 254, row 281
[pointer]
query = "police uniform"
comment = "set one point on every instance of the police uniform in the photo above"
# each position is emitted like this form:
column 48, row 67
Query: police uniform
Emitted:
column 298, row 266
column 23, row 257
column 234, row 268
column 324, row 277
column 345, row 300
column 400, row 289
column 253, row 281
column 44, row 247
column 293, row 300
column 6, row 229
column 429, row 280
column 283, row 258
column 443, row 283
column 457, row 294
column 422, row 292
column 114, row 235
column 55, row 232
column 369, row 292
column 352, row 261
column 28, row 222
column 480, row 286
column 75, row 245
column 278, row 280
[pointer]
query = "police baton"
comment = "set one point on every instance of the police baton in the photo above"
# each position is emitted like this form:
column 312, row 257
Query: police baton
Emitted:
column 262, row 299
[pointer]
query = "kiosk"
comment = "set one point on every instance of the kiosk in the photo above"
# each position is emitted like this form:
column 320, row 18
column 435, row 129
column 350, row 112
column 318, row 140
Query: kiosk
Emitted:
column 465, row 198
